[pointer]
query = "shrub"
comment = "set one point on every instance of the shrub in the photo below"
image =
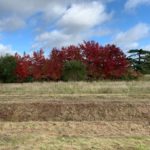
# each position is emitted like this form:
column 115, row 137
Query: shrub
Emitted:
column 57, row 59
column 7, row 69
column 131, row 74
column 74, row 71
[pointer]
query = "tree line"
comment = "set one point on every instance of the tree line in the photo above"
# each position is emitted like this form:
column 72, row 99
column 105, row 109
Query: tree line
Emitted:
column 86, row 61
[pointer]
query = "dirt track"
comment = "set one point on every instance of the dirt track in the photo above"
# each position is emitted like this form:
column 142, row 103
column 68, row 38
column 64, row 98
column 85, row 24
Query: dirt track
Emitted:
column 75, row 111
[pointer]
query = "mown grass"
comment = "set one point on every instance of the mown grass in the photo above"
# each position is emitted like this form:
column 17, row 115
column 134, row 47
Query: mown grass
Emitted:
column 71, row 136
column 106, row 90
column 75, row 136
column 41, row 142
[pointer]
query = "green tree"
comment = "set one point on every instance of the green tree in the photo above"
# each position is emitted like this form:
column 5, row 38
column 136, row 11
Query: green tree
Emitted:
column 74, row 71
column 138, row 58
column 146, row 64
column 7, row 69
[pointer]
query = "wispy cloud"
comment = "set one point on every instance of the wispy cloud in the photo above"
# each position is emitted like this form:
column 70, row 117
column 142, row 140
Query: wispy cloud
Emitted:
column 130, row 38
column 11, row 24
column 76, row 24
column 131, row 4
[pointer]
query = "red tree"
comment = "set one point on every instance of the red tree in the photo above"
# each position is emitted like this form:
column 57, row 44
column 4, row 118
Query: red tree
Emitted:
column 38, row 62
column 54, row 65
column 71, row 53
column 104, row 62
column 23, row 68
column 116, row 64
column 58, row 57
column 101, row 62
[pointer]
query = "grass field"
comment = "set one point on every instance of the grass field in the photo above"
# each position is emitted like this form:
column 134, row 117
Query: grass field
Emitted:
column 74, row 136
column 77, row 135
column 101, row 90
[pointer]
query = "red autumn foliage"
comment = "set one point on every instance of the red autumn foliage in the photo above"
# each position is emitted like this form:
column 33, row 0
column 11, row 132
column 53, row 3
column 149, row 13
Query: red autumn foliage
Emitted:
column 55, row 65
column 23, row 66
column 101, row 62
column 71, row 53
column 38, row 62
column 57, row 59
column 92, row 59
column 115, row 64
column 104, row 62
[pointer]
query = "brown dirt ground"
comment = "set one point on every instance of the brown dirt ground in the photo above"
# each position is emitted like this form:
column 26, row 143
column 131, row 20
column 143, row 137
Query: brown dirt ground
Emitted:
column 82, row 129
column 75, row 111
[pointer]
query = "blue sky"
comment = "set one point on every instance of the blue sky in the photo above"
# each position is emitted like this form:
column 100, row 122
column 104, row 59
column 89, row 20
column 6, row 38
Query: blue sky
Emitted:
column 30, row 25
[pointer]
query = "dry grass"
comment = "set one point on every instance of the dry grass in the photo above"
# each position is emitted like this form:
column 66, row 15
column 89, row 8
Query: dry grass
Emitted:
column 74, row 136
column 75, row 129
column 75, row 111
column 101, row 90
column 100, row 135
column 42, row 142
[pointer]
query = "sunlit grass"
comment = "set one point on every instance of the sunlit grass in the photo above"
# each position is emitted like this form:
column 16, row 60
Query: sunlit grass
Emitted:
column 41, row 142
column 73, row 135
column 123, row 90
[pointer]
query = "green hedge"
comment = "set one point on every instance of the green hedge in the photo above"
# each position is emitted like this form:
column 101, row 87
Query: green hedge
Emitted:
column 7, row 69
column 74, row 71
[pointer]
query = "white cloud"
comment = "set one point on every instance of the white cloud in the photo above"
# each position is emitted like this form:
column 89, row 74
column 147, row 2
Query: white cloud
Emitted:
column 131, row 4
column 57, row 22
column 75, row 25
column 139, row 31
column 83, row 16
column 23, row 10
column 57, row 39
column 11, row 24
column 5, row 49
column 50, row 10
column 129, row 39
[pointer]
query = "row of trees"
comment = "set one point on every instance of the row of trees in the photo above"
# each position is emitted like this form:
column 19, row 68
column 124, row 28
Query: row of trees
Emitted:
column 87, row 61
